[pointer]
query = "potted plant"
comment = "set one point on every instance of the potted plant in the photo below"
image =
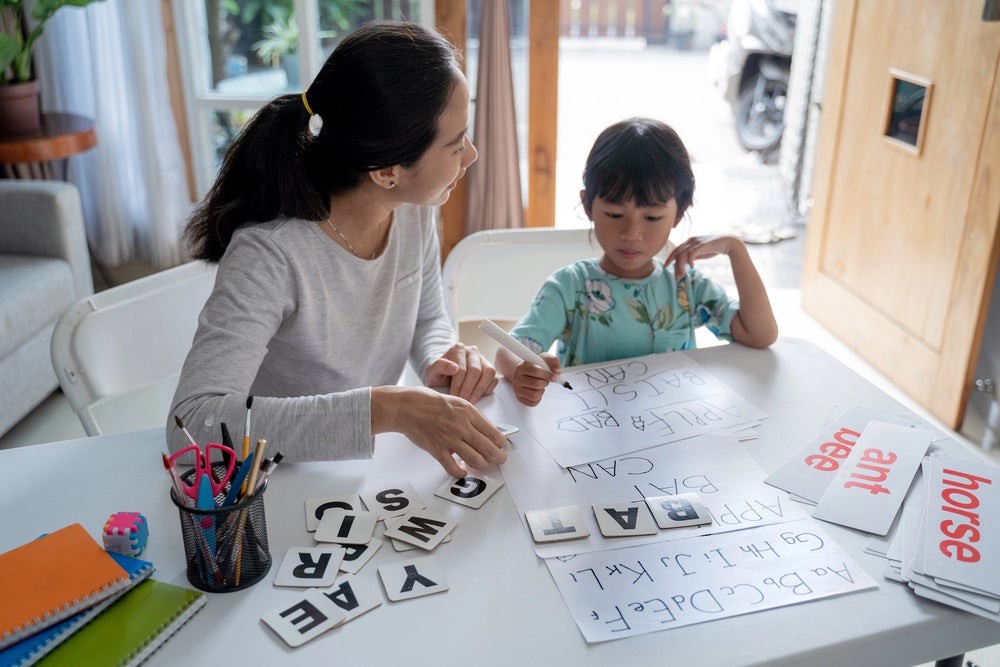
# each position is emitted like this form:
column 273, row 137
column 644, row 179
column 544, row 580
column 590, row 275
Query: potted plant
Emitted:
column 17, row 87
column 280, row 44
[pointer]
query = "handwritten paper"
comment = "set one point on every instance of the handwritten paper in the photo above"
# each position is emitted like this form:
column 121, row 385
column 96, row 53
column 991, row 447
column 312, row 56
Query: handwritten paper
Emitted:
column 716, row 467
column 628, row 405
column 628, row 592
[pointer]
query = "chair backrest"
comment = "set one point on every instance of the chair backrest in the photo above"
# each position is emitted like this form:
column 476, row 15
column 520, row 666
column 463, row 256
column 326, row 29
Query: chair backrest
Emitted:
column 118, row 353
column 497, row 273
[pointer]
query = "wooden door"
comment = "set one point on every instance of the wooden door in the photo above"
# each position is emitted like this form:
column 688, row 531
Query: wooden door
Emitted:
column 902, row 243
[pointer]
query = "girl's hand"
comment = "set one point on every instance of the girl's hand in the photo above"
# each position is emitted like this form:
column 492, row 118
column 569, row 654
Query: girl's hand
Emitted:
column 466, row 372
column 530, row 381
column 441, row 425
column 700, row 247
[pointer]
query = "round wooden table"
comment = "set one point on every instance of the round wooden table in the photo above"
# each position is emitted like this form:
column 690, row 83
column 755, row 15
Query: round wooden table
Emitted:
column 37, row 154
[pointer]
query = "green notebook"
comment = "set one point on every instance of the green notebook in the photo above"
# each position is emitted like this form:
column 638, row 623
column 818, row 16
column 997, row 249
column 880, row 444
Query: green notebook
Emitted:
column 128, row 631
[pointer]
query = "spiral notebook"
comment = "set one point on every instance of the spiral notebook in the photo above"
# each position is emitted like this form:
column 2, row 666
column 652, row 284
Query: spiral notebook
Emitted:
column 30, row 650
column 128, row 631
column 52, row 578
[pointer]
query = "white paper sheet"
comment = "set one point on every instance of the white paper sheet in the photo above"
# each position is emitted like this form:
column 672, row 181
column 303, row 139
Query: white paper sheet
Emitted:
column 628, row 592
column 629, row 405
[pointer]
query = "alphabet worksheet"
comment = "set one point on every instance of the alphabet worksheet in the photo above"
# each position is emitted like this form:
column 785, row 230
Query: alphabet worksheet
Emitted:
column 624, row 406
column 633, row 591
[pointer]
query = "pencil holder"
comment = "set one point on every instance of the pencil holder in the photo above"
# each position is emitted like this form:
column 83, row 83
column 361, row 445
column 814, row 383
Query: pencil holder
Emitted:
column 226, row 547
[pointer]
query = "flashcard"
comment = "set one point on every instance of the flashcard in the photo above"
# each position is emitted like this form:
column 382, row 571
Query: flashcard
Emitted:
column 624, row 520
column 316, row 506
column 868, row 488
column 675, row 511
column 393, row 501
column 412, row 578
column 471, row 490
column 346, row 527
column 399, row 545
column 309, row 567
column 356, row 555
column 312, row 615
column 422, row 528
column 353, row 595
column 558, row 523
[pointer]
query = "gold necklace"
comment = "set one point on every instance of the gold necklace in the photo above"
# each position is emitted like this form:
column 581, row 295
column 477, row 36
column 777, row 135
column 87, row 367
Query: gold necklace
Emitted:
column 351, row 247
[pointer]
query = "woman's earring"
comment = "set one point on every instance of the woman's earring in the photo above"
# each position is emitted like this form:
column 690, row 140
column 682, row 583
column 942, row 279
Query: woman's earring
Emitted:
column 392, row 184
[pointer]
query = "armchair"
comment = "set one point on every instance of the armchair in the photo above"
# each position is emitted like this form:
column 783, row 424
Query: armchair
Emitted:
column 44, row 268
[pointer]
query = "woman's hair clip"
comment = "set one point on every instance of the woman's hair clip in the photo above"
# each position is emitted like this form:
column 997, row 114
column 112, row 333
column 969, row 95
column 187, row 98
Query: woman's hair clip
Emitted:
column 315, row 124
column 315, row 120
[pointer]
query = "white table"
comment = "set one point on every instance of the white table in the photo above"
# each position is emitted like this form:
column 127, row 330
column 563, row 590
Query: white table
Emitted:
column 502, row 607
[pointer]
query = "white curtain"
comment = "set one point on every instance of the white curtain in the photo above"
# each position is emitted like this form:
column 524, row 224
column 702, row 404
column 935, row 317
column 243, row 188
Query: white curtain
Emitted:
column 494, row 199
column 107, row 61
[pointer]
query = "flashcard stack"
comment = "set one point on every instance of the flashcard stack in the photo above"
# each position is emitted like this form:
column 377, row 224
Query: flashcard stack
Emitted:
column 953, row 555
column 421, row 528
column 332, row 599
column 868, row 488
column 319, row 610
column 809, row 472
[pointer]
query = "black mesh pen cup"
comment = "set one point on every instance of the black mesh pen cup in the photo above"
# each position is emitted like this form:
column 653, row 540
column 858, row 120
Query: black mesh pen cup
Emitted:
column 225, row 547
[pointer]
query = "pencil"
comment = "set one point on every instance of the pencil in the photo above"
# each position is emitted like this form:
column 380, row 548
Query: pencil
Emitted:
column 251, row 482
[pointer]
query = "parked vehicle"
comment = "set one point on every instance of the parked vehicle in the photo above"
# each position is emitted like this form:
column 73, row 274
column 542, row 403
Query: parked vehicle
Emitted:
column 751, row 66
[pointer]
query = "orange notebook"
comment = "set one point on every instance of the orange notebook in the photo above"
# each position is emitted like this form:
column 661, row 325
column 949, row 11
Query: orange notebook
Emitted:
column 52, row 578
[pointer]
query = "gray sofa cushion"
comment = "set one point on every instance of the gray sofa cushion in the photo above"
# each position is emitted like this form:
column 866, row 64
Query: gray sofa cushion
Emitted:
column 34, row 292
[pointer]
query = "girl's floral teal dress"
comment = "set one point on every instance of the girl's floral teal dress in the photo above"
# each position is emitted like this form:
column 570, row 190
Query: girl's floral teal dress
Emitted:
column 596, row 316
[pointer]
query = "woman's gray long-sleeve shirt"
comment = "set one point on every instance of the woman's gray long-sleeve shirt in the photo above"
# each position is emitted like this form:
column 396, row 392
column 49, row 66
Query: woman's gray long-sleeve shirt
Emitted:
column 308, row 329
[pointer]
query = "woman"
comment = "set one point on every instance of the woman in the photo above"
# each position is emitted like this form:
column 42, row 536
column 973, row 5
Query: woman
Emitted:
column 329, row 265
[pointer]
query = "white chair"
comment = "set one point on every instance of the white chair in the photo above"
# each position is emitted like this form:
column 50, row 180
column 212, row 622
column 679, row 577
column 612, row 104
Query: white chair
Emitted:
column 496, row 274
column 118, row 353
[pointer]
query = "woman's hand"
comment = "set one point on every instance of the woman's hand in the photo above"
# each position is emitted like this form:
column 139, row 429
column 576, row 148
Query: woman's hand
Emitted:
column 530, row 380
column 443, row 426
column 466, row 372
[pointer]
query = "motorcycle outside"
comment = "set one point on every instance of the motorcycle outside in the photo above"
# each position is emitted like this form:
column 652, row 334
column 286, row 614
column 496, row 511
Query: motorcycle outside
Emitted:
column 752, row 64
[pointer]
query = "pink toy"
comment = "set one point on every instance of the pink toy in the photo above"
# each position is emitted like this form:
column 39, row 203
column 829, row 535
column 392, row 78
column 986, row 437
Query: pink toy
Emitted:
column 126, row 533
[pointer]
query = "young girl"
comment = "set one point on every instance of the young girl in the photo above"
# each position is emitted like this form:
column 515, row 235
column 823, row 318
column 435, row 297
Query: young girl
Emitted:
column 322, row 223
column 637, row 185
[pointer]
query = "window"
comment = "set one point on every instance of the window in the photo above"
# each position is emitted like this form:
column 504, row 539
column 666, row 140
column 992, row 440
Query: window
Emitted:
column 238, row 54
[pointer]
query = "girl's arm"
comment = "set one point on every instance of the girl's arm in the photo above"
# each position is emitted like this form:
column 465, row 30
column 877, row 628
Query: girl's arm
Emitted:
column 754, row 325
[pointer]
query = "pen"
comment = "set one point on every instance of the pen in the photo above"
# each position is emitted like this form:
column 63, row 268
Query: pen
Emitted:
column 517, row 347
column 174, row 479
column 266, row 468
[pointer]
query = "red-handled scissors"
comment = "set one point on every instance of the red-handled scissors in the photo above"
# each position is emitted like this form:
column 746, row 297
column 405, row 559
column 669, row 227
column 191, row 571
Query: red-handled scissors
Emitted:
column 203, row 466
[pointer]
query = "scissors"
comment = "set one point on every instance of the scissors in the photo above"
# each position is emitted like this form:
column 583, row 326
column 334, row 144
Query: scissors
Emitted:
column 203, row 469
